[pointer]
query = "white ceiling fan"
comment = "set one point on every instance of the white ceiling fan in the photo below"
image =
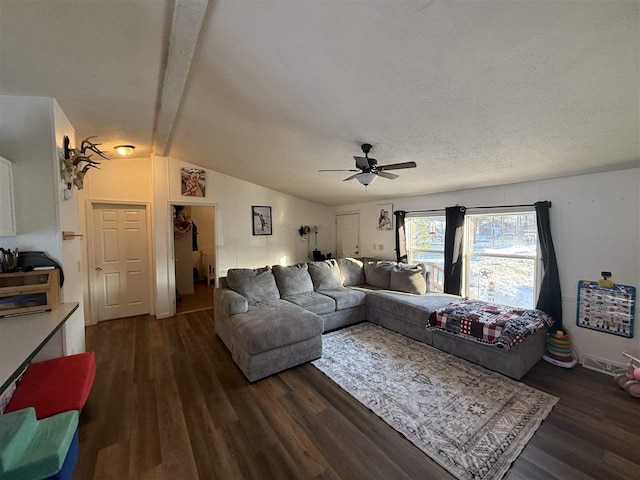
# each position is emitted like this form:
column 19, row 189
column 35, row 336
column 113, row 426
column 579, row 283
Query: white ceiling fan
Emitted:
column 368, row 168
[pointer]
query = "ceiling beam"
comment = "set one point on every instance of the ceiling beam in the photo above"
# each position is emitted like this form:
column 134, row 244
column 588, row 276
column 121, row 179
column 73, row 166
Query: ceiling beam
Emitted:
column 188, row 16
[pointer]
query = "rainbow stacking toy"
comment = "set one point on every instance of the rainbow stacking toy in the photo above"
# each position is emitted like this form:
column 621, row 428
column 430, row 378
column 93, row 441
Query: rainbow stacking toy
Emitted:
column 558, row 351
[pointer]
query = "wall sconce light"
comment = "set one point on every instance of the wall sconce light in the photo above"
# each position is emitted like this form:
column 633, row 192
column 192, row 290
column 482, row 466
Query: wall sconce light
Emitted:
column 125, row 150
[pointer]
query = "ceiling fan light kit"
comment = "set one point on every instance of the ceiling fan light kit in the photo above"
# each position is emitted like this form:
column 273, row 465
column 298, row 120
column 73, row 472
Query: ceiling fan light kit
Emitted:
column 366, row 178
column 368, row 169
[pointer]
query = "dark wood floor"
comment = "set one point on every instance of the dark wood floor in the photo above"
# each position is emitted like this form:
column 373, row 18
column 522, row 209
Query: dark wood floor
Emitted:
column 201, row 299
column 168, row 403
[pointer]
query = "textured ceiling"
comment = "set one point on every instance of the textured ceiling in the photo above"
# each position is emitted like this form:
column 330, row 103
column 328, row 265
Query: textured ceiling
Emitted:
column 101, row 59
column 477, row 93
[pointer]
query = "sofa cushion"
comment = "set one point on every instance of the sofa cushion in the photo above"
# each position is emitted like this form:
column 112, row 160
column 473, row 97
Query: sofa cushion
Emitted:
column 351, row 271
column 346, row 297
column 378, row 273
column 325, row 275
column 273, row 325
column 314, row 302
column 256, row 285
column 409, row 279
column 425, row 271
column 293, row 280
column 413, row 309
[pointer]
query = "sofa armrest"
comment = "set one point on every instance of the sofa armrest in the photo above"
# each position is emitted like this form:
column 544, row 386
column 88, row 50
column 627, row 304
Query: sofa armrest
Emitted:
column 229, row 302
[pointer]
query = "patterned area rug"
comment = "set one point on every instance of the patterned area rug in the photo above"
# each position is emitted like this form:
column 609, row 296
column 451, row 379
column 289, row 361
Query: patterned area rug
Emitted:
column 471, row 421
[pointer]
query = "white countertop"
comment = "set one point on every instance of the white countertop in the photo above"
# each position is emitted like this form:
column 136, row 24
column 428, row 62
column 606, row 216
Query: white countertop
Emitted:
column 22, row 336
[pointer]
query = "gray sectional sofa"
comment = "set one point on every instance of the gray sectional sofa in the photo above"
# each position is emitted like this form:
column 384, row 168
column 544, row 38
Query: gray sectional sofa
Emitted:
column 272, row 319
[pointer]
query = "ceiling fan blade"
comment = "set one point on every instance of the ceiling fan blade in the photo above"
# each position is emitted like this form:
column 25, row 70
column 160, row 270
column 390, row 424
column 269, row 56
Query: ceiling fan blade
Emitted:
column 390, row 176
column 361, row 162
column 352, row 170
column 351, row 177
column 397, row 166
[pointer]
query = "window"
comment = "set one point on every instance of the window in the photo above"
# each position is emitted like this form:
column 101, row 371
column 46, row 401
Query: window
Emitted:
column 500, row 255
column 501, row 252
column 425, row 243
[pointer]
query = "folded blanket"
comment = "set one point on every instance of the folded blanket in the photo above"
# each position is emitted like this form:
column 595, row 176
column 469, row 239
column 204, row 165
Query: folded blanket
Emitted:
column 498, row 325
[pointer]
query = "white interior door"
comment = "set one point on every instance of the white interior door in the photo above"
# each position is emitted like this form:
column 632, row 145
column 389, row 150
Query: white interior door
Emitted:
column 348, row 235
column 120, row 261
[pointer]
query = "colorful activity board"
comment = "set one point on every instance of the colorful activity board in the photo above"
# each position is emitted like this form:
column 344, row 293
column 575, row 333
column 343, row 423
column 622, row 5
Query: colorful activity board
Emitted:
column 606, row 309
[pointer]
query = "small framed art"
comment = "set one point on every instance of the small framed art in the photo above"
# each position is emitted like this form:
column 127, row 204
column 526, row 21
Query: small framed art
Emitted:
column 385, row 219
column 193, row 182
column 261, row 220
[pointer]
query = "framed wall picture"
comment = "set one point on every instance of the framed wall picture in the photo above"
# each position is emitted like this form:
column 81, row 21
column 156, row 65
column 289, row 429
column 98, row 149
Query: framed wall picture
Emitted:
column 385, row 217
column 192, row 181
column 261, row 220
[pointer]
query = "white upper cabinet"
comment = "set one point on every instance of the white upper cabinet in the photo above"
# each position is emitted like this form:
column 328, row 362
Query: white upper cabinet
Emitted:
column 7, row 204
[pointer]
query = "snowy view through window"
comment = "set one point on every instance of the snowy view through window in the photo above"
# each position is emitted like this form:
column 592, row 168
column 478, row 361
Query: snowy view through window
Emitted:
column 500, row 255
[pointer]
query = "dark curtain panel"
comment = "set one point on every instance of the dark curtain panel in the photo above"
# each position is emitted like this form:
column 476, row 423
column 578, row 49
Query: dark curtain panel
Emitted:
column 453, row 249
column 550, row 298
column 401, row 237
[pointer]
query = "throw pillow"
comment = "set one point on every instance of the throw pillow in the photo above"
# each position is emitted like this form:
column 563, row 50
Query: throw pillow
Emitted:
column 377, row 273
column 293, row 280
column 256, row 285
column 409, row 279
column 325, row 275
column 351, row 271
column 425, row 272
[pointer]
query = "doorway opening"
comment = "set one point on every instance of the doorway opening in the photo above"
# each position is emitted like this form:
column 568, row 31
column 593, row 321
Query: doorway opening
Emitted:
column 194, row 253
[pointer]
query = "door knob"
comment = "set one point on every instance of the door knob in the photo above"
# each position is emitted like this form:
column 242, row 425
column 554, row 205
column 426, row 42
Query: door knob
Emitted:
column 98, row 269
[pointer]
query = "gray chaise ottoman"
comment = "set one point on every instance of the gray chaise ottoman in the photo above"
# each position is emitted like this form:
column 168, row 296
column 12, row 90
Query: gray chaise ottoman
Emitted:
column 272, row 337
column 264, row 334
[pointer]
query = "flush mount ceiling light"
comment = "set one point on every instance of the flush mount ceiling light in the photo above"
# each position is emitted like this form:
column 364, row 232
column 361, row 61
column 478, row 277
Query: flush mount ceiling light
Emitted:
column 125, row 150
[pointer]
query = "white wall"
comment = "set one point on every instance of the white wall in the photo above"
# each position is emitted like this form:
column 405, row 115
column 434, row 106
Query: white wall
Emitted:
column 31, row 130
column 157, row 182
column 26, row 139
column 118, row 180
column 595, row 221
column 121, row 179
column 236, row 246
column 70, row 250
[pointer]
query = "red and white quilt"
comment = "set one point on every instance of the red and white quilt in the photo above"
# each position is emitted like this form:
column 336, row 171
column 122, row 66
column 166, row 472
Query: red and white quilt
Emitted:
column 498, row 325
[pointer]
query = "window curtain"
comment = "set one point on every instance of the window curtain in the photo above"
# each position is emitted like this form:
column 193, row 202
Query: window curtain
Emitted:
column 453, row 249
column 550, row 298
column 401, row 236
